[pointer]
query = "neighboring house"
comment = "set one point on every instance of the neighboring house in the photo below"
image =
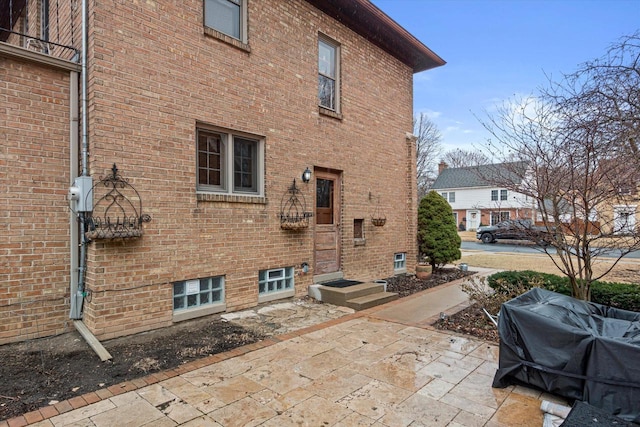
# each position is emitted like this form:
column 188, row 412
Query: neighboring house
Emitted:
column 475, row 201
column 174, row 188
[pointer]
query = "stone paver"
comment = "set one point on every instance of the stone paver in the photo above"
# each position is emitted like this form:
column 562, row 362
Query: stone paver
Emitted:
column 370, row 368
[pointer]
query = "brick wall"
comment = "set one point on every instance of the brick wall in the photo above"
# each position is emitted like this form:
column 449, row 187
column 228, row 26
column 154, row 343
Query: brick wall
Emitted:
column 155, row 76
column 34, row 177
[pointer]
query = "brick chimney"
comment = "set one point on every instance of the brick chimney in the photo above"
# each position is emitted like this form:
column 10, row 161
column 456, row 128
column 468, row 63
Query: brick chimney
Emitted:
column 442, row 166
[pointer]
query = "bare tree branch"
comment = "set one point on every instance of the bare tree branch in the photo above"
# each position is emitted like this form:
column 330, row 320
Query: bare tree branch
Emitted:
column 579, row 139
column 428, row 150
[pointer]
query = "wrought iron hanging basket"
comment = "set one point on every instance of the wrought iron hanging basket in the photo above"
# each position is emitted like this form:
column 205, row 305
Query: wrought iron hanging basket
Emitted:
column 293, row 210
column 378, row 222
column 117, row 214
column 378, row 218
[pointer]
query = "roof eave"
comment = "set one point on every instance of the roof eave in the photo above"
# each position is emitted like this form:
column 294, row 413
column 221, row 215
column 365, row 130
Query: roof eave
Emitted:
column 367, row 20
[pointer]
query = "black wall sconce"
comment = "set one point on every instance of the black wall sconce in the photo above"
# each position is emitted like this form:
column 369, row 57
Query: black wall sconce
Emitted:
column 306, row 175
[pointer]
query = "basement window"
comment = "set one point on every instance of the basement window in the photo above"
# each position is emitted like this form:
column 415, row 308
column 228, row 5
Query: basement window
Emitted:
column 275, row 284
column 400, row 263
column 198, row 297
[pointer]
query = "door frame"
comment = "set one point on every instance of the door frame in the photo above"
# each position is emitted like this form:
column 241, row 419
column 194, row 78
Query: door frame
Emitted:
column 336, row 176
column 471, row 226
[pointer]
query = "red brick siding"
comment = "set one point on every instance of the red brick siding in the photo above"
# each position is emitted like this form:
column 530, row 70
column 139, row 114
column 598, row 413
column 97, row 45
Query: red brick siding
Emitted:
column 154, row 73
column 34, row 177
column 150, row 85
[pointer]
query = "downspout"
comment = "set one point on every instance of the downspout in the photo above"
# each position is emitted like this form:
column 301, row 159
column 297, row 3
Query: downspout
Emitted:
column 76, row 304
column 78, row 295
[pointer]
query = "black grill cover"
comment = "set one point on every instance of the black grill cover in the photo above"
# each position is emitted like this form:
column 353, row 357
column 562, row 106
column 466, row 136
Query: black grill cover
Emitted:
column 575, row 349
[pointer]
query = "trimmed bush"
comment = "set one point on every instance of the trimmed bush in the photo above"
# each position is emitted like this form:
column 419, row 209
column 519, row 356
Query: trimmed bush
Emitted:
column 624, row 296
column 438, row 238
column 618, row 295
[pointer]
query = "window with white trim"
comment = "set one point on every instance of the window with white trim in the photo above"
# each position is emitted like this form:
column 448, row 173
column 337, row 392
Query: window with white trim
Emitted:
column 189, row 294
column 227, row 16
column 400, row 262
column 229, row 162
column 497, row 217
column 275, row 280
column 445, row 195
column 494, row 195
column 452, row 197
column 328, row 74
column 503, row 194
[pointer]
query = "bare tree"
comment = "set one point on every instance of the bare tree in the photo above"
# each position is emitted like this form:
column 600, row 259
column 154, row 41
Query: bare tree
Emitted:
column 578, row 139
column 428, row 150
column 460, row 158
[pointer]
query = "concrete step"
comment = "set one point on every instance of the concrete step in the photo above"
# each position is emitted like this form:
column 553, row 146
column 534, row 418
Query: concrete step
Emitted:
column 371, row 300
column 340, row 296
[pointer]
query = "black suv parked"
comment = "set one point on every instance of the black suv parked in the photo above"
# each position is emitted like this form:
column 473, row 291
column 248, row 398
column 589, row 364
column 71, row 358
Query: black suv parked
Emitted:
column 516, row 229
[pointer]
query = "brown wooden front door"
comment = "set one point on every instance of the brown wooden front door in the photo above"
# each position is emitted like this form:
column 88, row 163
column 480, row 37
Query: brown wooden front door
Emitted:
column 327, row 217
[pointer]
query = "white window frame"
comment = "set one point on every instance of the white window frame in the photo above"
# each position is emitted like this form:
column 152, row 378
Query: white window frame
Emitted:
column 495, row 195
column 445, row 195
column 400, row 262
column 227, row 185
column 504, row 195
column 502, row 216
column 628, row 226
column 276, row 283
column 241, row 4
column 452, row 197
column 190, row 288
column 322, row 39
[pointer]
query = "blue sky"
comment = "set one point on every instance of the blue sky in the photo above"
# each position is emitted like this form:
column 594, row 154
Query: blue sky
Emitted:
column 498, row 49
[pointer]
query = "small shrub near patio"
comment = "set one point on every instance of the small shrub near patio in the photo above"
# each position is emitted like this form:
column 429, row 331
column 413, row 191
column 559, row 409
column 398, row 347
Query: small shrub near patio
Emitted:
column 619, row 295
column 491, row 299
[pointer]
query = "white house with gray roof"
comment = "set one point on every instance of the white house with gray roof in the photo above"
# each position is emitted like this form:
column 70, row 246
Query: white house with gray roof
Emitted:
column 475, row 197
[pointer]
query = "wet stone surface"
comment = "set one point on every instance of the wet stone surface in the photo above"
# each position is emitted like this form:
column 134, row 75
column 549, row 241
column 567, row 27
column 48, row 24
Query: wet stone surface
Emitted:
column 40, row 372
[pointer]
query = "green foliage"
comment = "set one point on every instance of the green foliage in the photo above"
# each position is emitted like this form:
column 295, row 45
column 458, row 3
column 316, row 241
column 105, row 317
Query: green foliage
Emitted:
column 619, row 295
column 502, row 281
column 438, row 237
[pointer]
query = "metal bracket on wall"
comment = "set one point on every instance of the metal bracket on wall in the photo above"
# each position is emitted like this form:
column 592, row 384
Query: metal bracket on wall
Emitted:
column 118, row 211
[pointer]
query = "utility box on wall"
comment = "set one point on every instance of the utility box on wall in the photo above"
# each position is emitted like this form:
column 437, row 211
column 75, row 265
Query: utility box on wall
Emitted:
column 80, row 194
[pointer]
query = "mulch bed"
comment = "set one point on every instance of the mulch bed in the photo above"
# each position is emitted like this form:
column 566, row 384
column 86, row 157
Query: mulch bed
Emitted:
column 37, row 372
column 470, row 321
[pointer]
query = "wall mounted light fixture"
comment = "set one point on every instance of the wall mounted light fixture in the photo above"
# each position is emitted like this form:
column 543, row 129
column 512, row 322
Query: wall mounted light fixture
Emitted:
column 306, row 175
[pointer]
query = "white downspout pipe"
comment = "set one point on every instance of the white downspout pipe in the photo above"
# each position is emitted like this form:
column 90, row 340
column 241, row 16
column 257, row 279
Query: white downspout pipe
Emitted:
column 76, row 304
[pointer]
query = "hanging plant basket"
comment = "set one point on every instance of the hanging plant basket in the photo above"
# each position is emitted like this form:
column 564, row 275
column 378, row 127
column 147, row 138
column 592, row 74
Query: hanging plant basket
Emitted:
column 294, row 224
column 378, row 218
column 117, row 214
column 379, row 222
column 293, row 213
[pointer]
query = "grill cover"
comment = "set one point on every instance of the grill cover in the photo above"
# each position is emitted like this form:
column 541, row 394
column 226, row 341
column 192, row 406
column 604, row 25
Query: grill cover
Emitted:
column 575, row 349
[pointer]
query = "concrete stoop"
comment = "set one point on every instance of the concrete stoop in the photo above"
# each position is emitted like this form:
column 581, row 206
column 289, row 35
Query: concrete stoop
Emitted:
column 357, row 297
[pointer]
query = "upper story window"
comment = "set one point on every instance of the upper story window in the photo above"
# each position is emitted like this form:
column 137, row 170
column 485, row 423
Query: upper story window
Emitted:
column 452, row 197
column 328, row 74
column 501, row 193
column 229, row 162
column 227, row 16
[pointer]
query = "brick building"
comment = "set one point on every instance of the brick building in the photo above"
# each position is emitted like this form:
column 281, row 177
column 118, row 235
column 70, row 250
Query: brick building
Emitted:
column 478, row 196
column 211, row 111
